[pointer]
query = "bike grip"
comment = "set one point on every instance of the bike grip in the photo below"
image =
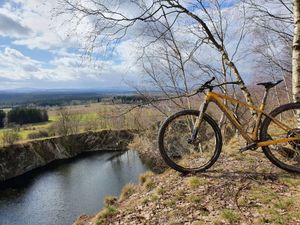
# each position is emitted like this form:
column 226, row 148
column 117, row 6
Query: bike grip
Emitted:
column 207, row 82
column 279, row 81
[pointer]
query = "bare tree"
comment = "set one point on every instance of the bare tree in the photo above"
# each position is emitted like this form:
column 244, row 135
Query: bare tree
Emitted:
column 271, row 23
column 296, row 52
column 112, row 23
column 9, row 136
column 68, row 122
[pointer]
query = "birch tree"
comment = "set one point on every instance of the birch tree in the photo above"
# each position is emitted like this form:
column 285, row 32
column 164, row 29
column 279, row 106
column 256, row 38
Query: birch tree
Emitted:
column 296, row 52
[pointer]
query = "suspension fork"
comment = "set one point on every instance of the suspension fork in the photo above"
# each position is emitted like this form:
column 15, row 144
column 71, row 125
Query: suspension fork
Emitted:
column 202, row 110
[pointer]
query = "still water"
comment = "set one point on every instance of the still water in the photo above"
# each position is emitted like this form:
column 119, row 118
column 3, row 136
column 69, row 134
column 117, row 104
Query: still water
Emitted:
column 59, row 193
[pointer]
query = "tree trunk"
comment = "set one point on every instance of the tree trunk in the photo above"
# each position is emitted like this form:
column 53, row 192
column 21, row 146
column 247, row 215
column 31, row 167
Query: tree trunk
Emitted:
column 221, row 49
column 296, row 52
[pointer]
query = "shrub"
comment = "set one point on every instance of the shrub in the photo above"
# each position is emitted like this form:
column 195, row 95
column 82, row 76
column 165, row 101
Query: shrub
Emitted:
column 9, row 137
column 39, row 134
column 68, row 122
column 110, row 200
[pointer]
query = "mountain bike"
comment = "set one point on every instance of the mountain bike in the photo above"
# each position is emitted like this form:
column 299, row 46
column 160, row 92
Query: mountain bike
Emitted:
column 191, row 140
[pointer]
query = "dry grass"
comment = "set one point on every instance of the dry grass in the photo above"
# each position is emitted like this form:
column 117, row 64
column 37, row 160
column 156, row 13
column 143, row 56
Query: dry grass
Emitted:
column 127, row 191
column 105, row 213
column 143, row 177
column 110, row 201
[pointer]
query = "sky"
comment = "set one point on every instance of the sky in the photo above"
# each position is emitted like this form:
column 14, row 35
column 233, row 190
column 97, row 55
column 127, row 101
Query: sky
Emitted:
column 38, row 52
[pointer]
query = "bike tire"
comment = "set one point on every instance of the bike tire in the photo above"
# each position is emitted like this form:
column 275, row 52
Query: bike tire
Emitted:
column 174, row 165
column 264, row 136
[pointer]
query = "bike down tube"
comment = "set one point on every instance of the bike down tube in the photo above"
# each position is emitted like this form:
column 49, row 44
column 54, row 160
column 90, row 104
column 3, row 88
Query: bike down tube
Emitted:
column 214, row 97
column 278, row 141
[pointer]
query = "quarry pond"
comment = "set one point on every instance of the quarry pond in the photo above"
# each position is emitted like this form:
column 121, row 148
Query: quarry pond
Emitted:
column 58, row 193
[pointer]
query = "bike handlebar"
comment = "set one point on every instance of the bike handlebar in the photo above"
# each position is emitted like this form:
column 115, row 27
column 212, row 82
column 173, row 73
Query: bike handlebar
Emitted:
column 207, row 85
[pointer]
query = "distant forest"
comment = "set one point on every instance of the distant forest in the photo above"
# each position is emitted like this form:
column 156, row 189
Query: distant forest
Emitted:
column 43, row 99
column 23, row 116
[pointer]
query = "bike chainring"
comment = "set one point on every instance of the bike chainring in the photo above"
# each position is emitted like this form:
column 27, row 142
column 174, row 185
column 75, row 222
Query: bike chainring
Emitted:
column 294, row 133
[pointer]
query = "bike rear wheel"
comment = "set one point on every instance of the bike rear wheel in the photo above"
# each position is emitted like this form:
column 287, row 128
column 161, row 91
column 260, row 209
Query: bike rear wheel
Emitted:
column 178, row 153
column 284, row 155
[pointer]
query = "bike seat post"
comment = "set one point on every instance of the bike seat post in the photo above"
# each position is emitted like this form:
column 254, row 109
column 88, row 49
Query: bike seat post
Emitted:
column 264, row 100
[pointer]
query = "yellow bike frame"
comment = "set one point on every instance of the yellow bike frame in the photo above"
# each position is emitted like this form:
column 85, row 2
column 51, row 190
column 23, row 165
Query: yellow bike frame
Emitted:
column 252, row 138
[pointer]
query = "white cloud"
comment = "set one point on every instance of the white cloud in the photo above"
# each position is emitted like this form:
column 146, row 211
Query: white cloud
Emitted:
column 16, row 66
column 11, row 27
column 34, row 25
column 62, row 71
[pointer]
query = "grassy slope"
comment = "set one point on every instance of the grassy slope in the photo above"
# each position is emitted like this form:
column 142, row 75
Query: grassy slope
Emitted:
column 239, row 189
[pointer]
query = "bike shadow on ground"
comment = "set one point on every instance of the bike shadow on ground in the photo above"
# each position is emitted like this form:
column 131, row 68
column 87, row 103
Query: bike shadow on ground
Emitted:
column 242, row 175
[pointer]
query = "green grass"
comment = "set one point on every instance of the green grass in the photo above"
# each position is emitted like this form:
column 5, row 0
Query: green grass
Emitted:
column 272, row 216
column 284, row 203
column 195, row 182
column 195, row 199
column 160, row 190
column 262, row 194
column 170, row 203
column 230, row 215
column 105, row 213
column 289, row 181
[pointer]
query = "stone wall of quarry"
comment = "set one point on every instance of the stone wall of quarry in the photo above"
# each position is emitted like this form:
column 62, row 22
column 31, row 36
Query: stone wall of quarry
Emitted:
column 18, row 159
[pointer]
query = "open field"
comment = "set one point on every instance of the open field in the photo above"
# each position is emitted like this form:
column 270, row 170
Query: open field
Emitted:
column 93, row 117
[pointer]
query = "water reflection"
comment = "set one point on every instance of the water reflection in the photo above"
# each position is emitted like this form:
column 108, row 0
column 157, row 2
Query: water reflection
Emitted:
column 61, row 192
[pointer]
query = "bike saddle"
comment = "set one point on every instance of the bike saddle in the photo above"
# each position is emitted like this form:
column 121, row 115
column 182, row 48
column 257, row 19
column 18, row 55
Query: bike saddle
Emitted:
column 269, row 85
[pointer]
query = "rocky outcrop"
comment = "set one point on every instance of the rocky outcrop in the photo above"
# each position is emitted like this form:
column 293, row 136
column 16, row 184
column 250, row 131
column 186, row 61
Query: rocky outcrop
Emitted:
column 20, row 158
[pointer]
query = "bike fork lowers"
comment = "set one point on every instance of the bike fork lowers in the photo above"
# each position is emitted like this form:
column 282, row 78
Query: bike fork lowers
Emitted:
column 198, row 122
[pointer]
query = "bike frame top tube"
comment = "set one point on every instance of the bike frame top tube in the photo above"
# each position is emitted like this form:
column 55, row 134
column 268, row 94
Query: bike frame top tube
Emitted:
column 217, row 99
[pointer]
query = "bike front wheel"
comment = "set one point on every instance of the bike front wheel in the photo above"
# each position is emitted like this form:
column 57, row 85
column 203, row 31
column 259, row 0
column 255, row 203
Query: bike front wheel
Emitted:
column 284, row 155
column 178, row 153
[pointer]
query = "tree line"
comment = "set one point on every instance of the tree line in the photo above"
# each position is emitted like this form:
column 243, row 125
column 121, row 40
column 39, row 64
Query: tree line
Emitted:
column 23, row 116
